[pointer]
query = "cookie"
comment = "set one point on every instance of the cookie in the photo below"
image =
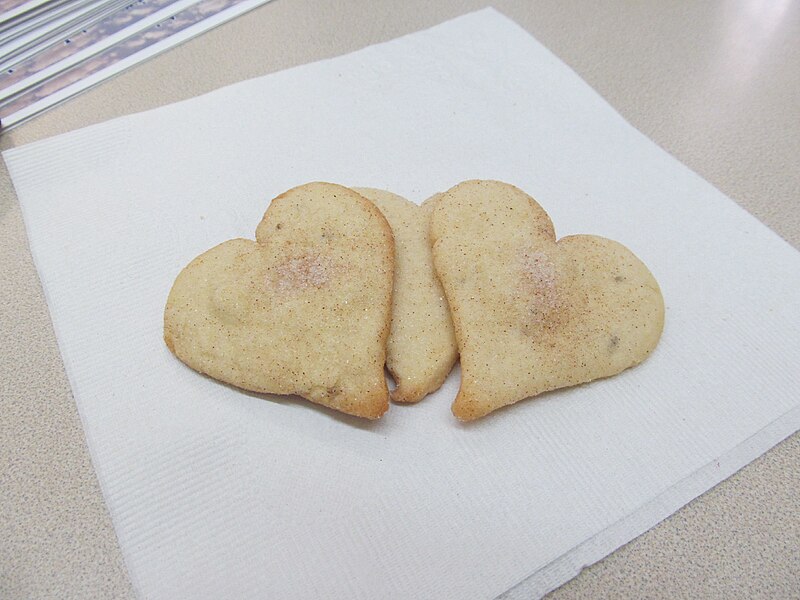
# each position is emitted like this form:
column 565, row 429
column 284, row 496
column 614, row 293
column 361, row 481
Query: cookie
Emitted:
column 422, row 345
column 305, row 309
column 532, row 314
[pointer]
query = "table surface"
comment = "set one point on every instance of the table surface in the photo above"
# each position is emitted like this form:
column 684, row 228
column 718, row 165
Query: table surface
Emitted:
column 717, row 84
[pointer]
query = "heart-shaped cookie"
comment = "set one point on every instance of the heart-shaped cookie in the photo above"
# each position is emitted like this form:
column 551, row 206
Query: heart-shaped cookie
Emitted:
column 532, row 314
column 305, row 309
column 422, row 345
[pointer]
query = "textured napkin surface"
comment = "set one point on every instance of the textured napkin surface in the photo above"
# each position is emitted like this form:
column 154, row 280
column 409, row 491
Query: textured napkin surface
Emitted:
column 219, row 493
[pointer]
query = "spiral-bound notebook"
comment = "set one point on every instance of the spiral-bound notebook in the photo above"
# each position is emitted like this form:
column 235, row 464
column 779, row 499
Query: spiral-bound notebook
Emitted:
column 216, row 493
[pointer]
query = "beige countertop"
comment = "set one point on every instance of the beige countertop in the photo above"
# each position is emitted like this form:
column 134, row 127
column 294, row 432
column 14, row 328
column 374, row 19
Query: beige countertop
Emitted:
column 715, row 83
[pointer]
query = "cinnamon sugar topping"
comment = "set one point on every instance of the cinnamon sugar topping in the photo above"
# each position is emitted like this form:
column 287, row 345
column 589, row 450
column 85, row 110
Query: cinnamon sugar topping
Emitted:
column 302, row 272
column 539, row 281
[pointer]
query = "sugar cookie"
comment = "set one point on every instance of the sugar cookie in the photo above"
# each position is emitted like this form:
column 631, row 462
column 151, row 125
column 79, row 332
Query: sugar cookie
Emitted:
column 532, row 314
column 305, row 309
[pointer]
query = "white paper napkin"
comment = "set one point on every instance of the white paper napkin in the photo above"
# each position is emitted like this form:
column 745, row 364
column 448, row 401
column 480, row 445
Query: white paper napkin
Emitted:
column 218, row 493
